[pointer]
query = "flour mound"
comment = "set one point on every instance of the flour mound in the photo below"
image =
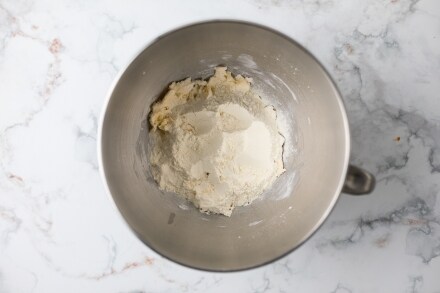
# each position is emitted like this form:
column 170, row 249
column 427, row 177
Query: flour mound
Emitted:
column 215, row 142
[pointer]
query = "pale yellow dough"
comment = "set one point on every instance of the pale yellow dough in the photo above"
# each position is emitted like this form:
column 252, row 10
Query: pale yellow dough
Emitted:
column 215, row 142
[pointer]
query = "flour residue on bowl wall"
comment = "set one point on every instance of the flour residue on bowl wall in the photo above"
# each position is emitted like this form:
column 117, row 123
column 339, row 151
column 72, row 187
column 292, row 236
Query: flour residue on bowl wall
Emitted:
column 247, row 61
column 255, row 223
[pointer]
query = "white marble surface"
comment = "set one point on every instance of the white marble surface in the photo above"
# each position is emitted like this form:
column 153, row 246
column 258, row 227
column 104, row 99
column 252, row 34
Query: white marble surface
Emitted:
column 59, row 232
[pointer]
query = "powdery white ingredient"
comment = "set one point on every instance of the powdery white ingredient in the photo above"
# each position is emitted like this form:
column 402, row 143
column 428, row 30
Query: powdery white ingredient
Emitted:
column 215, row 142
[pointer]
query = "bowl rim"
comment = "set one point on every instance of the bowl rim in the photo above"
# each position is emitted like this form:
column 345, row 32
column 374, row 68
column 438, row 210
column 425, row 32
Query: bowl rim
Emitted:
column 124, row 68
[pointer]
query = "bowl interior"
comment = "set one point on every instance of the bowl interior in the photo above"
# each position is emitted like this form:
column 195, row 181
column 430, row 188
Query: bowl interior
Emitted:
column 311, row 117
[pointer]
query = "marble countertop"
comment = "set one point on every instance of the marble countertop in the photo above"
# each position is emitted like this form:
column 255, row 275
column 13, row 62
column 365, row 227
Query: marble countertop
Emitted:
column 60, row 233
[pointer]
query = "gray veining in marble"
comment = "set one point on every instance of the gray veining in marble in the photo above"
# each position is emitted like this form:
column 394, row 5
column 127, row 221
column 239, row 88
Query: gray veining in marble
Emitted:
column 57, row 59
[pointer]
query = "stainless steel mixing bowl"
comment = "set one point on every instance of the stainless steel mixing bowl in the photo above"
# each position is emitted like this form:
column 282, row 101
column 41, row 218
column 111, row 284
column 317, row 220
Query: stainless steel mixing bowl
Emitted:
column 316, row 154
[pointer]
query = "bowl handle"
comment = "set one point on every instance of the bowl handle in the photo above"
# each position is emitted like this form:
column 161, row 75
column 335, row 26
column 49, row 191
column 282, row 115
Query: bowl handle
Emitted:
column 358, row 181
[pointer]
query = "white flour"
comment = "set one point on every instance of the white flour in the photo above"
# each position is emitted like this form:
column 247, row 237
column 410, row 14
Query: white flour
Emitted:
column 215, row 142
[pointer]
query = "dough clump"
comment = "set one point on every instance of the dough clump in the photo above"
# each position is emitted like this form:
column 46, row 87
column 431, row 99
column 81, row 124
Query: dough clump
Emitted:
column 215, row 142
